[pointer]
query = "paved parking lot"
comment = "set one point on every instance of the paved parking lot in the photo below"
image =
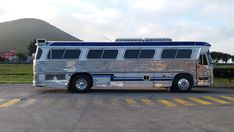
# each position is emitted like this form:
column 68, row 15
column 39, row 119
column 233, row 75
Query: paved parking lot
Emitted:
column 24, row 108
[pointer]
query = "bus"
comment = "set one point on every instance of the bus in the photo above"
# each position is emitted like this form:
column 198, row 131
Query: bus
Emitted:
column 125, row 62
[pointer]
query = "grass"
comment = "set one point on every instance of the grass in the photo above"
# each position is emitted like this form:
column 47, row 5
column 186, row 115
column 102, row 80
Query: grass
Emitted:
column 224, row 66
column 16, row 79
column 16, row 73
column 223, row 81
column 16, row 69
column 22, row 74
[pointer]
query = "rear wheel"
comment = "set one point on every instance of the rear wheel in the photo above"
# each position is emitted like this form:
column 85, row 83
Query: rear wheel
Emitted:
column 182, row 83
column 80, row 84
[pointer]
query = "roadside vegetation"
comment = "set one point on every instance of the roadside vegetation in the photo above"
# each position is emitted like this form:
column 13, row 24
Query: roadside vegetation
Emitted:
column 16, row 73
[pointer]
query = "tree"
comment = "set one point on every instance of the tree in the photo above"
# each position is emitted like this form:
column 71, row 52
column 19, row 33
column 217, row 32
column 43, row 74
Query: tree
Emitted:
column 219, row 56
column 32, row 47
column 226, row 57
column 216, row 56
column 21, row 57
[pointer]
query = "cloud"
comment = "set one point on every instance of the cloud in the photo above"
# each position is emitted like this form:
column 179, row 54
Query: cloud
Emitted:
column 200, row 20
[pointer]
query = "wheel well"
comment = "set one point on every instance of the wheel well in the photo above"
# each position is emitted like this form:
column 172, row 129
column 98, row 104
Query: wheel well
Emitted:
column 81, row 73
column 186, row 74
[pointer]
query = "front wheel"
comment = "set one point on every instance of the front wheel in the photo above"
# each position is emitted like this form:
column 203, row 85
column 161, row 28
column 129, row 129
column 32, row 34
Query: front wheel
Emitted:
column 182, row 83
column 80, row 84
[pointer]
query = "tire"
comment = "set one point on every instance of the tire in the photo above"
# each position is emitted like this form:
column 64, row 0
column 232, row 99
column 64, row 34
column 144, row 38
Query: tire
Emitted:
column 80, row 84
column 182, row 83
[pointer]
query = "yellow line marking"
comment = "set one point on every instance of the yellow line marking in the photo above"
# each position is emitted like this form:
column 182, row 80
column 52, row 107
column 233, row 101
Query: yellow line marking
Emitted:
column 183, row 102
column 147, row 101
column 29, row 102
column 200, row 101
column 131, row 101
column 9, row 103
column 2, row 100
column 216, row 100
column 228, row 98
column 167, row 103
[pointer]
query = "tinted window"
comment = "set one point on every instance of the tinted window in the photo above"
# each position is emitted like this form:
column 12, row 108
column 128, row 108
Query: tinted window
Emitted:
column 55, row 54
column 169, row 53
column 131, row 54
column 39, row 52
column 110, row 54
column 94, row 54
column 184, row 53
column 204, row 60
column 147, row 54
column 71, row 54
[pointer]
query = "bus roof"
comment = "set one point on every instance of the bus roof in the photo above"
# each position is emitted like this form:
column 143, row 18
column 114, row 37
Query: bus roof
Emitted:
column 81, row 43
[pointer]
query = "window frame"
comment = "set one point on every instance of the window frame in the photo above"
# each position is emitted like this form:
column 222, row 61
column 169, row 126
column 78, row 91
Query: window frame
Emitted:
column 110, row 58
column 177, row 49
column 168, row 49
column 103, row 49
column 184, row 49
column 72, row 58
column 38, row 56
column 153, row 57
column 138, row 58
column 131, row 58
column 94, row 58
column 63, row 53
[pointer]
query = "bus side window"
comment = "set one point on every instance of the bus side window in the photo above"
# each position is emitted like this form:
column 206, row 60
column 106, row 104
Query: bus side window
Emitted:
column 39, row 52
column 203, row 60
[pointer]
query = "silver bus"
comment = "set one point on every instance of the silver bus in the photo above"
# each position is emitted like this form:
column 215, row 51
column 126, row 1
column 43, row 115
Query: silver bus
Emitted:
column 134, row 62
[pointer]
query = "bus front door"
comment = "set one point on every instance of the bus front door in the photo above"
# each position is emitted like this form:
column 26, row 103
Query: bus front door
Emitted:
column 203, row 71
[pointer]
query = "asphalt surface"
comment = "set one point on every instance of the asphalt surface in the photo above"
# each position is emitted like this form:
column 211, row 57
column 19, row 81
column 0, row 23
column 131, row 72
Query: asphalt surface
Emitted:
column 24, row 108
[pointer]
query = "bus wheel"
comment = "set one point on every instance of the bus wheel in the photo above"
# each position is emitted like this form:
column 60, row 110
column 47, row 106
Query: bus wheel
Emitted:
column 182, row 83
column 80, row 84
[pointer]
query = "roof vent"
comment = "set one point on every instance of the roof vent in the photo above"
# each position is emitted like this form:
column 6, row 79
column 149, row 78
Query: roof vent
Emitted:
column 143, row 40
column 157, row 39
column 129, row 40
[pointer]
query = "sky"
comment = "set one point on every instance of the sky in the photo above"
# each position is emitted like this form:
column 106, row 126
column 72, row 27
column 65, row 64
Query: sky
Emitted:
column 105, row 20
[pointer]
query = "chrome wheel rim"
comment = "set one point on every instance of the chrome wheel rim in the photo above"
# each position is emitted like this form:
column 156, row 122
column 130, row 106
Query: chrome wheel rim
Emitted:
column 183, row 84
column 81, row 84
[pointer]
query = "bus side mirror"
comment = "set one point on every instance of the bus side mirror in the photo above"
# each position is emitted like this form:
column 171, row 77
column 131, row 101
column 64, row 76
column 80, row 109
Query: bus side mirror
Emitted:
column 215, row 63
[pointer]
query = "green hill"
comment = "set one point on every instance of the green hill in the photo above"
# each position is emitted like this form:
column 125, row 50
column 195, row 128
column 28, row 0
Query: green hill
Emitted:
column 18, row 34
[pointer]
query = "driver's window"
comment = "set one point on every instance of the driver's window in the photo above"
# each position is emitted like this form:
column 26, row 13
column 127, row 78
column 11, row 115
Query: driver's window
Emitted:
column 203, row 60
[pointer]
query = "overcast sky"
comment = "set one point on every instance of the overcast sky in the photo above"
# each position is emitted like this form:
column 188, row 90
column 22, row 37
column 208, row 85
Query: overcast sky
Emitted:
column 101, row 20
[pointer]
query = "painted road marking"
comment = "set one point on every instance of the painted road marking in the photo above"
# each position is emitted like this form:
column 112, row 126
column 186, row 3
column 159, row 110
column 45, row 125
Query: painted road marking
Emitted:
column 9, row 103
column 183, row 102
column 200, row 101
column 228, row 98
column 167, row 103
column 216, row 100
column 131, row 101
column 147, row 102
column 28, row 103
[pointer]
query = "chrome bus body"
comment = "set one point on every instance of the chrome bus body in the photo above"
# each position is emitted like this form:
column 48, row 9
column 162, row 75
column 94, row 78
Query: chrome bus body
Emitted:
column 122, row 72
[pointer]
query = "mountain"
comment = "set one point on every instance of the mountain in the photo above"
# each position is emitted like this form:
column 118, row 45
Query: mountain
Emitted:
column 18, row 34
